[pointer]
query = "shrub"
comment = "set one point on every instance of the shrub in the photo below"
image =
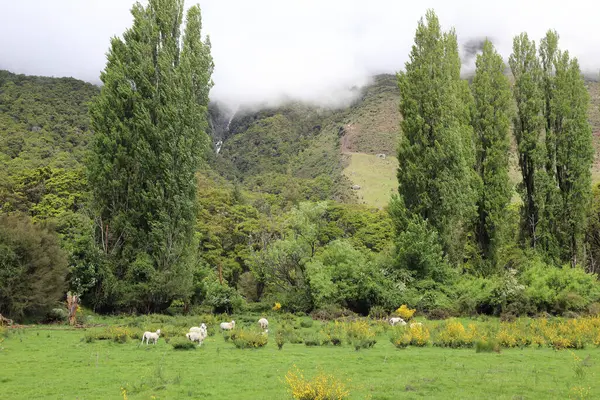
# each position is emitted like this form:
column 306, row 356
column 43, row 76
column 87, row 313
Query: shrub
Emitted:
column 312, row 340
column 419, row 335
column 249, row 339
column 222, row 298
column 331, row 312
column 57, row 315
column 321, row 387
column 359, row 334
column 182, row 344
column 486, row 346
column 280, row 340
column 455, row 335
column 439, row 313
column 378, row 312
column 405, row 313
column 33, row 267
column 400, row 338
column 306, row 322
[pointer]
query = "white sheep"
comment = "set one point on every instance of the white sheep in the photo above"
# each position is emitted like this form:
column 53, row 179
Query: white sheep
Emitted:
column 397, row 321
column 196, row 337
column 415, row 324
column 201, row 328
column 227, row 325
column 264, row 324
column 150, row 336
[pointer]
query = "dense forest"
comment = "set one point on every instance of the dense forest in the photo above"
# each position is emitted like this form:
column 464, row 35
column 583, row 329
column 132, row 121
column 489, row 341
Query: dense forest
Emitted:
column 120, row 194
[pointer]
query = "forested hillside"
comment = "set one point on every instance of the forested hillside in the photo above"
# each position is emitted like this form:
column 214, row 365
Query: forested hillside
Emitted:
column 291, row 201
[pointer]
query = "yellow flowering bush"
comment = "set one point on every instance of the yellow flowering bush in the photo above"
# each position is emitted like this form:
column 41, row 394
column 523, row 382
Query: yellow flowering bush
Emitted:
column 277, row 307
column 419, row 335
column 455, row 335
column 321, row 387
column 405, row 313
column 359, row 334
column 243, row 339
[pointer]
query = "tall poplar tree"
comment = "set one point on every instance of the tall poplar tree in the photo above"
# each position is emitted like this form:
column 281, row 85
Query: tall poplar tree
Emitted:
column 437, row 182
column 574, row 154
column 491, row 123
column 149, row 126
column 528, row 131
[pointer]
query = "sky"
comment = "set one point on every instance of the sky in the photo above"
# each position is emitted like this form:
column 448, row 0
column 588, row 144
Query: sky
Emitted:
column 266, row 50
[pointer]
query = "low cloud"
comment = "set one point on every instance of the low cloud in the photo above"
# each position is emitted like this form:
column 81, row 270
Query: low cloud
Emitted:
column 269, row 50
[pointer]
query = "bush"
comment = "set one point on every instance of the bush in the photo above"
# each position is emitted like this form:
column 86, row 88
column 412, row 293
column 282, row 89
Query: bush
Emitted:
column 455, row 335
column 405, row 313
column 439, row 314
column 306, row 323
column 486, row 346
column 400, row 338
column 249, row 339
column 182, row 344
column 312, row 340
column 57, row 315
column 221, row 298
column 331, row 312
column 378, row 312
column 321, row 387
column 33, row 268
column 280, row 340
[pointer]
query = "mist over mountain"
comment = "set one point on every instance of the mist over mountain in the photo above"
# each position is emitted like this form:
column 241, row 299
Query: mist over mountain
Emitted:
column 270, row 52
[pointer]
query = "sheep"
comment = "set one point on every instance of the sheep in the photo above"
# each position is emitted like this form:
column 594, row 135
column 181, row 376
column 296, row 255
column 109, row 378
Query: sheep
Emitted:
column 227, row 325
column 201, row 328
column 264, row 324
column 415, row 324
column 196, row 337
column 397, row 321
column 150, row 336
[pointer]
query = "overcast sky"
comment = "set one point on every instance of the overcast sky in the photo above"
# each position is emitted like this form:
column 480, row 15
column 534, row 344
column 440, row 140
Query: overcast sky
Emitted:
column 307, row 49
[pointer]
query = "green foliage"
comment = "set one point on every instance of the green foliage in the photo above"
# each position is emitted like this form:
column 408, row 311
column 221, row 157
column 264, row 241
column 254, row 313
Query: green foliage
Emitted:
column 491, row 122
column 436, row 179
column 569, row 150
column 182, row 344
column 557, row 290
column 419, row 251
column 486, row 346
column 528, row 127
column 221, row 298
column 32, row 267
column 150, row 123
column 243, row 339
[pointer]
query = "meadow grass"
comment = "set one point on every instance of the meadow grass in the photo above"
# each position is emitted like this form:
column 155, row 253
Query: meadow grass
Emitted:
column 55, row 362
column 376, row 177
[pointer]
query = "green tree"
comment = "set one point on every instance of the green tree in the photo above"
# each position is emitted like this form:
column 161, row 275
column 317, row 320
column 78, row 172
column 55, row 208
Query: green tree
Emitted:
column 491, row 123
column 437, row 181
column 33, row 267
column 528, row 130
column 574, row 154
column 149, row 123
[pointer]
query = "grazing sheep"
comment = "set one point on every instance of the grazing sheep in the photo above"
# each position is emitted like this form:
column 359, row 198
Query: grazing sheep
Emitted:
column 264, row 324
column 196, row 337
column 227, row 325
column 201, row 328
column 415, row 324
column 397, row 321
column 150, row 336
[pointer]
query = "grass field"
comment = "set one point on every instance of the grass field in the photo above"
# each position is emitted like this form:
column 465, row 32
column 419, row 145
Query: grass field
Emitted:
column 56, row 363
column 376, row 177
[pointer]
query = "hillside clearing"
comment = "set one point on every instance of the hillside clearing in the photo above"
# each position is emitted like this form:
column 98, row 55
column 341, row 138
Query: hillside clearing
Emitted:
column 375, row 176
